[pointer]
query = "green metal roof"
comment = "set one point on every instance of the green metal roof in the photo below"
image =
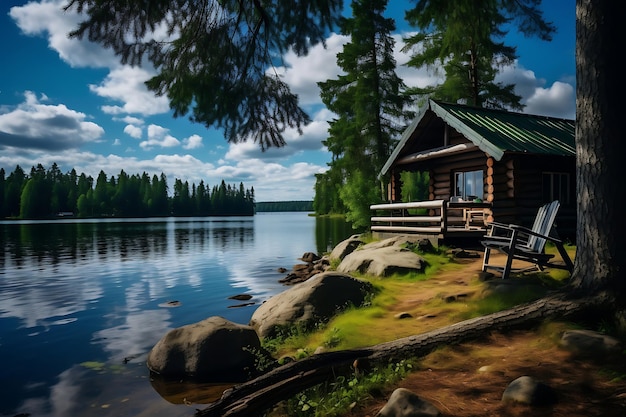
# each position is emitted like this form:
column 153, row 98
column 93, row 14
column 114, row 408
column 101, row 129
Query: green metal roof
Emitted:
column 497, row 131
column 502, row 131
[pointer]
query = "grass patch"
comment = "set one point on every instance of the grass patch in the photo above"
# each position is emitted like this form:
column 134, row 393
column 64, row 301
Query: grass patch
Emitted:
column 337, row 398
column 442, row 300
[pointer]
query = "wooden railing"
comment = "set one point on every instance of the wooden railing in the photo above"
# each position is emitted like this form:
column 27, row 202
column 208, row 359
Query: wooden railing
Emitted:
column 439, row 216
column 399, row 219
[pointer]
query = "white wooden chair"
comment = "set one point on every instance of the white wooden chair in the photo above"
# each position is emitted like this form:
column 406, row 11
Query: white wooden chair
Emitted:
column 528, row 245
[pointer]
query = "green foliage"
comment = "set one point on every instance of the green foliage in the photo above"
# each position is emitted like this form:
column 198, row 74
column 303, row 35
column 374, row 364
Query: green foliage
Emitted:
column 535, row 285
column 277, row 206
column 212, row 57
column 414, row 186
column 358, row 193
column 291, row 336
column 464, row 37
column 371, row 110
column 262, row 361
column 337, row 397
column 49, row 194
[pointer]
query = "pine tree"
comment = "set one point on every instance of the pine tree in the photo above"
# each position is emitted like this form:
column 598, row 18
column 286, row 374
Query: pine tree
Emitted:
column 463, row 37
column 214, row 61
column 371, row 109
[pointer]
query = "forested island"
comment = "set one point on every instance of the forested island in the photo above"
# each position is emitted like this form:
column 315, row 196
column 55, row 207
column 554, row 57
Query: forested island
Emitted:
column 49, row 193
column 279, row 206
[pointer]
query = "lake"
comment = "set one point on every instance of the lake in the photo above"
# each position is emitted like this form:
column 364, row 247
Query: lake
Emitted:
column 82, row 302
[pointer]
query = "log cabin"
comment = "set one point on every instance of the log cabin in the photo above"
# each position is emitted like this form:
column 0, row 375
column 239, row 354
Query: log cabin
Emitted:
column 483, row 165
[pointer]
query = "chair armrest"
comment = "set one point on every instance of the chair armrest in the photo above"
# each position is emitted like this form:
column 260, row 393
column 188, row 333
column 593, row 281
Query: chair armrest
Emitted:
column 494, row 227
column 529, row 232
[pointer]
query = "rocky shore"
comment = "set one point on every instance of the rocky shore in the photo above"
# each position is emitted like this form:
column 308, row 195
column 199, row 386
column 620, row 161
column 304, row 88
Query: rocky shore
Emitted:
column 218, row 349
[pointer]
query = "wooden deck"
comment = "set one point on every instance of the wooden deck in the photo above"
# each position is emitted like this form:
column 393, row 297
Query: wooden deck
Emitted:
column 439, row 219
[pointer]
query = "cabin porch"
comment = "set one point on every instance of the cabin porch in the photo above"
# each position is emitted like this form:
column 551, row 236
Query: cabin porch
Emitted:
column 434, row 219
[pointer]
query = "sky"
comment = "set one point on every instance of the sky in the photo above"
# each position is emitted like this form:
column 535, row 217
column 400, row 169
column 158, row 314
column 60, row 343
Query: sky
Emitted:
column 72, row 103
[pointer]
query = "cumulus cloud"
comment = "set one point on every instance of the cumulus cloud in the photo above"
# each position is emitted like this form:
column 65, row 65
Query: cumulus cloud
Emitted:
column 131, row 120
column 47, row 18
column 123, row 84
column 274, row 181
column 45, row 126
column 303, row 73
column 133, row 131
column 192, row 142
column 559, row 100
column 126, row 84
column 556, row 100
column 310, row 140
column 159, row 137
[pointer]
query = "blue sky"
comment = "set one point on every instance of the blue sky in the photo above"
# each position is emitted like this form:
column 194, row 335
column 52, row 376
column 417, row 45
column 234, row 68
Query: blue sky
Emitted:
column 71, row 102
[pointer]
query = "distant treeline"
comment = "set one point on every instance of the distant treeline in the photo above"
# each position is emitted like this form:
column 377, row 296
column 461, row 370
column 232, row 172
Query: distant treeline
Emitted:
column 51, row 193
column 284, row 206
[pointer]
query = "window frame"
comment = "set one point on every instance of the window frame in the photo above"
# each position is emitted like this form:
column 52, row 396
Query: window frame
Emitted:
column 554, row 180
column 477, row 186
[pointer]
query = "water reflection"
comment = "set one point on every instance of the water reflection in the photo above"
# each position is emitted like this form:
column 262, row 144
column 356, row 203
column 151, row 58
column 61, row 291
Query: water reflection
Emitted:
column 331, row 230
column 75, row 293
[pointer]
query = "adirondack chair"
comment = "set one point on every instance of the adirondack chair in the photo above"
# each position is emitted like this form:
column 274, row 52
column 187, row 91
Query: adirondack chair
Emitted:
column 521, row 243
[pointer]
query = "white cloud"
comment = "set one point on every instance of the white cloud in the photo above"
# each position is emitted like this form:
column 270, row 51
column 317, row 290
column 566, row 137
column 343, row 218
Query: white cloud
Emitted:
column 126, row 84
column 311, row 140
column 557, row 100
column 123, row 84
column 43, row 126
column 48, row 17
column 303, row 73
column 159, row 136
column 413, row 77
column 133, row 131
column 192, row 142
column 130, row 120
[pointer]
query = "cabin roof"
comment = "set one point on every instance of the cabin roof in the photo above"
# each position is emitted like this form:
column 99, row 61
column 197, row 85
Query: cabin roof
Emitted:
column 495, row 132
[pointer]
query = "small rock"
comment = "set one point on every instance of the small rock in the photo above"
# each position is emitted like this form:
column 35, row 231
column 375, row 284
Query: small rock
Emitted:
column 240, row 297
column 310, row 257
column 170, row 304
column 528, row 390
column 404, row 403
column 403, row 315
column 242, row 305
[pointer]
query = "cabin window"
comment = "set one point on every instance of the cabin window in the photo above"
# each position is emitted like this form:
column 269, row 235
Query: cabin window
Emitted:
column 468, row 185
column 556, row 187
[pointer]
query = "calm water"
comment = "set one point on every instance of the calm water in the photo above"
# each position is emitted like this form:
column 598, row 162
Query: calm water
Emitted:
column 82, row 303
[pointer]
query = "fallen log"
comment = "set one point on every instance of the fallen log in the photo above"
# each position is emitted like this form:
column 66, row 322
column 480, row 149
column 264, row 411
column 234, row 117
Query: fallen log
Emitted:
column 255, row 396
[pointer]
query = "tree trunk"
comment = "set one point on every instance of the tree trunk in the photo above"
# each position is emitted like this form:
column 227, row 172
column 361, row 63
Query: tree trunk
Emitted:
column 259, row 394
column 601, row 252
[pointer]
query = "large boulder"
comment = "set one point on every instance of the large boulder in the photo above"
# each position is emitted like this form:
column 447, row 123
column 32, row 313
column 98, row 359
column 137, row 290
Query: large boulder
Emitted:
column 346, row 247
column 382, row 260
column 214, row 348
column 308, row 303
column 591, row 344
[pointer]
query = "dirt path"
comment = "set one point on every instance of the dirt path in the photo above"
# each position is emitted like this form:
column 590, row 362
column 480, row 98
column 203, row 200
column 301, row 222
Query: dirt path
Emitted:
column 468, row 380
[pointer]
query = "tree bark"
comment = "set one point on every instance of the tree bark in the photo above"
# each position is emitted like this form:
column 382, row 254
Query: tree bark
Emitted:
column 257, row 395
column 600, row 261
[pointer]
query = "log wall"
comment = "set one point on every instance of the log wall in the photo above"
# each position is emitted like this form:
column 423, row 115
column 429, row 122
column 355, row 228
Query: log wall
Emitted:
column 513, row 185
